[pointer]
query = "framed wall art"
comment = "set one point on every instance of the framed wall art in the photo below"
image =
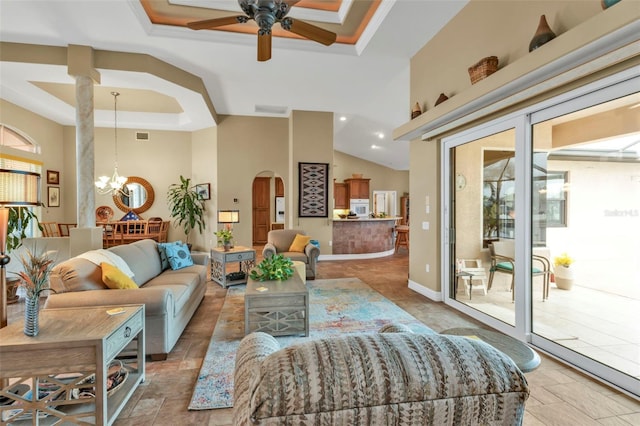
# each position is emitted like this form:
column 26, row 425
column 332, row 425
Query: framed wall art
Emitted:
column 53, row 177
column 53, row 195
column 204, row 191
column 313, row 179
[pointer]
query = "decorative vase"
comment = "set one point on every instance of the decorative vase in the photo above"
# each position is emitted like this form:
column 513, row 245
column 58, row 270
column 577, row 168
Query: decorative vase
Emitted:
column 227, row 245
column 564, row 277
column 31, row 314
column 441, row 98
column 543, row 34
column 416, row 111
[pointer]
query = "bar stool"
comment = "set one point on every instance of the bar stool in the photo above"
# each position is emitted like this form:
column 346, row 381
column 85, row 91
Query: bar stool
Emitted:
column 402, row 237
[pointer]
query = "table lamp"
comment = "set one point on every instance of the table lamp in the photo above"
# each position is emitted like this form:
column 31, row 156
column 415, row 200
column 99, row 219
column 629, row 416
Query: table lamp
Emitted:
column 17, row 188
column 229, row 217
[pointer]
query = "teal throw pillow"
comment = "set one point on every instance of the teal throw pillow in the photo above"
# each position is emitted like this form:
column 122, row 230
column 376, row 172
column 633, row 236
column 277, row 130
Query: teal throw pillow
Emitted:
column 178, row 255
column 164, row 259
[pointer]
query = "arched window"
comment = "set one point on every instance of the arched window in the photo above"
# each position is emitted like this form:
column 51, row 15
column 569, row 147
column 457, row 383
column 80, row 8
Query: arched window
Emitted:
column 15, row 139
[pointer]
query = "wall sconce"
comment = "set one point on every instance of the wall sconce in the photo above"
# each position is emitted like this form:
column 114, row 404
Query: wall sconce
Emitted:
column 17, row 188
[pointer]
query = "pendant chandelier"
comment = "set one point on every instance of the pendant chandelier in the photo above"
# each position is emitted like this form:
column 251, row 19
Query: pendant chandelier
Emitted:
column 113, row 185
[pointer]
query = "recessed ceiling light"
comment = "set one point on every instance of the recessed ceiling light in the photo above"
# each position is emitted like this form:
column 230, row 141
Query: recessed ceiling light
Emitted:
column 380, row 135
column 343, row 118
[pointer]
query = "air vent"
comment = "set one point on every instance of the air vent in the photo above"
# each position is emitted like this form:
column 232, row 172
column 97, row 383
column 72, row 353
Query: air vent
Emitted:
column 142, row 136
column 271, row 109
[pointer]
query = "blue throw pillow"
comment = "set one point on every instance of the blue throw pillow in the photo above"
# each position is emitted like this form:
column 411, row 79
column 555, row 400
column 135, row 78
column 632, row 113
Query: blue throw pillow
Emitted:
column 164, row 259
column 178, row 255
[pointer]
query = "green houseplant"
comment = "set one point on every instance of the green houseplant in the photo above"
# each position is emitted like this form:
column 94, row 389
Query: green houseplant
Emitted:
column 224, row 237
column 186, row 206
column 19, row 219
column 276, row 267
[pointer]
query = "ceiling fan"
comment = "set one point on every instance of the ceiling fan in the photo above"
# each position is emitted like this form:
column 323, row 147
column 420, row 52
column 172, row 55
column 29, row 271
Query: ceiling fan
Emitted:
column 266, row 13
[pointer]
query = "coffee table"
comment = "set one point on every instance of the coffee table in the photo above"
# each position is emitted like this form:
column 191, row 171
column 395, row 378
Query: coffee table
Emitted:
column 525, row 358
column 278, row 308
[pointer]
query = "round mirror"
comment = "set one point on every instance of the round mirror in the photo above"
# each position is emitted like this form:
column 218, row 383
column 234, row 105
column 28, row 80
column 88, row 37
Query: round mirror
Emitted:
column 137, row 195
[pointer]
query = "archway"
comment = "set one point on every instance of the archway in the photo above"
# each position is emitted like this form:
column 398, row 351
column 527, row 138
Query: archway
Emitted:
column 267, row 209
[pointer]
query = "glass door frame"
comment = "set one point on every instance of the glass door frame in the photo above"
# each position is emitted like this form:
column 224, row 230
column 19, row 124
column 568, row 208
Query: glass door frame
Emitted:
column 605, row 89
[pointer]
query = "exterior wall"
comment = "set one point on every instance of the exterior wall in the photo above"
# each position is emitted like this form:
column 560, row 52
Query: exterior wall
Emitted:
column 482, row 28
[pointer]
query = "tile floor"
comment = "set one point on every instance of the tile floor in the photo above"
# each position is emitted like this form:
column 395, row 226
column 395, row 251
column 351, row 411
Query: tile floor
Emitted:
column 559, row 394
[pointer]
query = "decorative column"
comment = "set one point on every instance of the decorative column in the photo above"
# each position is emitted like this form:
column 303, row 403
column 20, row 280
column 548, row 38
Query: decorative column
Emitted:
column 80, row 65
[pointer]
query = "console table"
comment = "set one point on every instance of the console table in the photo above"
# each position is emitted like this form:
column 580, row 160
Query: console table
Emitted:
column 245, row 256
column 74, row 344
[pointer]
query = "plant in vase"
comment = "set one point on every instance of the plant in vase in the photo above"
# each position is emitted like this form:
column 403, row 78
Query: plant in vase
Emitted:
column 34, row 279
column 276, row 267
column 224, row 237
column 563, row 272
column 186, row 206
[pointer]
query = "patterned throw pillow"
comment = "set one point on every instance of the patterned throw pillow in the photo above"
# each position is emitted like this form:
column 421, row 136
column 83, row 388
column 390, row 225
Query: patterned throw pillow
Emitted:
column 114, row 278
column 178, row 255
column 162, row 250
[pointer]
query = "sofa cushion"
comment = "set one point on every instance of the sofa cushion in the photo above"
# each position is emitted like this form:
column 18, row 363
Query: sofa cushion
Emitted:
column 178, row 255
column 142, row 257
column 115, row 278
column 76, row 274
column 349, row 373
column 182, row 284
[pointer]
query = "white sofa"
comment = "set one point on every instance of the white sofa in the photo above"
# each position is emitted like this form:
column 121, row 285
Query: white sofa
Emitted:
column 170, row 297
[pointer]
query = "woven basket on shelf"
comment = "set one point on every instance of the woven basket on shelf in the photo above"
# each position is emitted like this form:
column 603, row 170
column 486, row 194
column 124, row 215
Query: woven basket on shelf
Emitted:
column 483, row 69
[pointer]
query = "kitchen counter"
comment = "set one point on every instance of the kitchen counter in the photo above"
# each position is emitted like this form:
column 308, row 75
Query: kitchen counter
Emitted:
column 363, row 235
column 366, row 219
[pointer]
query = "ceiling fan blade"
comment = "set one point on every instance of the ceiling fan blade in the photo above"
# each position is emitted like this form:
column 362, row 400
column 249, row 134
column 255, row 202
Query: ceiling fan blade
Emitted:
column 217, row 22
column 264, row 46
column 309, row 31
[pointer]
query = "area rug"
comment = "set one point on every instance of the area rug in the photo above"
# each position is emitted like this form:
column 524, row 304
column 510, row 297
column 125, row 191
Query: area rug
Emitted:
column 345, row 305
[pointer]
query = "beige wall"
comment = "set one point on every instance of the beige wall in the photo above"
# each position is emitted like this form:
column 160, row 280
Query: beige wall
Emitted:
column 247, row 147
column 204, row 166
column 49, row 136
column 482, row 28
column 311, row 141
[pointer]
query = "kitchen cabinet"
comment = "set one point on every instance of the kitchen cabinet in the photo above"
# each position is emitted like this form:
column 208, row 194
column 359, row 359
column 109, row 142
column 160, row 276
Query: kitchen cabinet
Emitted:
column 357, row 188
column 404, row 210
column 340, row 196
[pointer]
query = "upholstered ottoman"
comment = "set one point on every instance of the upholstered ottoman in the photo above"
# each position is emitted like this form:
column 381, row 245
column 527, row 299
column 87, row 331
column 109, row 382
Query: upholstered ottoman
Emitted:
column 392, row 377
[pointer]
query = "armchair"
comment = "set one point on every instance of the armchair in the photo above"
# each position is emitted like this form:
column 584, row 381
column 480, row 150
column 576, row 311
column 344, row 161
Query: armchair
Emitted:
column 279, row 241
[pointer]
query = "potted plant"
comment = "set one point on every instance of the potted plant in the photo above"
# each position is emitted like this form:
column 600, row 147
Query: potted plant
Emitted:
column 276, row 267
column 224, row 237
column 35, row 280
column 186, row 206
column 19, row 219
column 563, row 272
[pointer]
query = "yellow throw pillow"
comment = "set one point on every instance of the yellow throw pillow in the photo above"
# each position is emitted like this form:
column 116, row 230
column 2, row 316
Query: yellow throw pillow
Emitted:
column 115, row 278
column 299, row 243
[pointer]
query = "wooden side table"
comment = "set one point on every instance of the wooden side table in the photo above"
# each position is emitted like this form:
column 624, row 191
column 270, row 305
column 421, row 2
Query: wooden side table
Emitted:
column 278, row 308
column 245, row 256
column 73, row 345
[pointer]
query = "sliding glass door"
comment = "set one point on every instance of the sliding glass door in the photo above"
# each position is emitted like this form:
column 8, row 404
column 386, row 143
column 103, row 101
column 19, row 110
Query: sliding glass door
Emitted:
column 542, row 226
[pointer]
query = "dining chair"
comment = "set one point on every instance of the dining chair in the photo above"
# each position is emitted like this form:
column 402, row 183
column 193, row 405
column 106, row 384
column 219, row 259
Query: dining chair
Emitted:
column 63, row 228
column 541, row 267
column 50, row 229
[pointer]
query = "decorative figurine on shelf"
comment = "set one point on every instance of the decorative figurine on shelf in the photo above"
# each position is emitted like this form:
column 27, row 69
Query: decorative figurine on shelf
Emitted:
column 441, row 99
column 543, row 34
column 416, row 111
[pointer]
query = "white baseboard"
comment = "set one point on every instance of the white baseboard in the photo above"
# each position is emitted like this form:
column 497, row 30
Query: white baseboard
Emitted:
column 436, row 296
column 356, row 256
